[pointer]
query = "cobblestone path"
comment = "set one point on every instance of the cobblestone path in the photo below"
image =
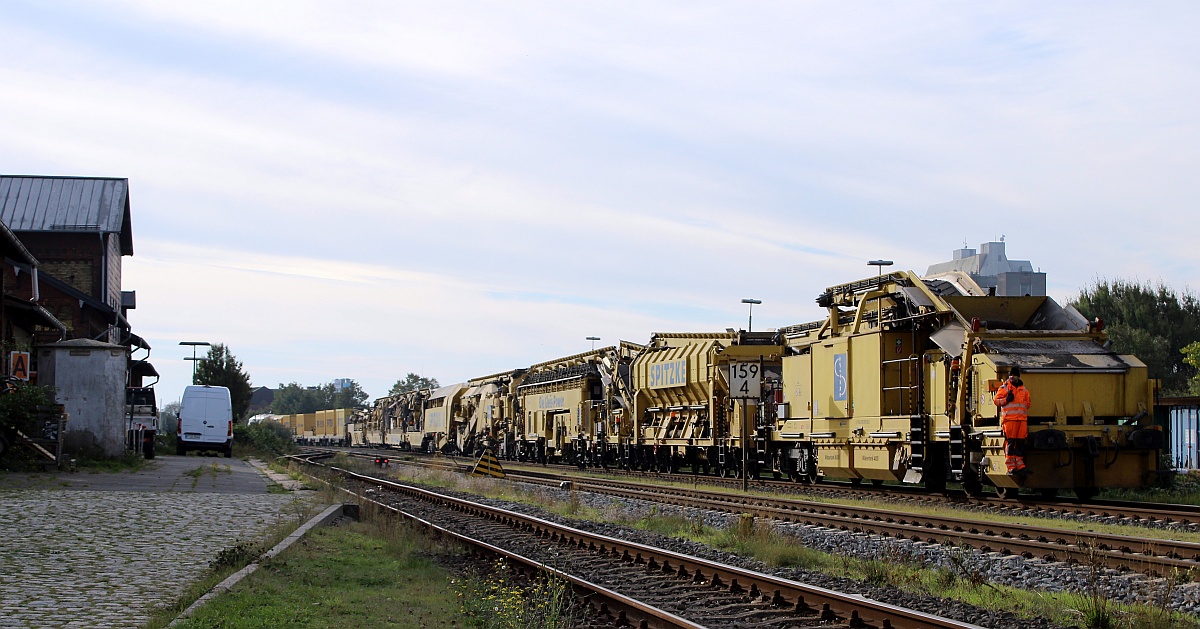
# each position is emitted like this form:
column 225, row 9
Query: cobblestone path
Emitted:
column 105, row 558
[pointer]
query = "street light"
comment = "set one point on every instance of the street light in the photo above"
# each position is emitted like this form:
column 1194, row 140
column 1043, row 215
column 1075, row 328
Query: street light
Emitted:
column 593, row 339
column 750, row 322
column 879, row 264
column 194, row 345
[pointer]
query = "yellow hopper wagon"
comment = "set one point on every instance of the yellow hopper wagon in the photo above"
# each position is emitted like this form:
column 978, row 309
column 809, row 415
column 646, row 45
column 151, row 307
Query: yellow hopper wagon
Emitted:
column 684, row 411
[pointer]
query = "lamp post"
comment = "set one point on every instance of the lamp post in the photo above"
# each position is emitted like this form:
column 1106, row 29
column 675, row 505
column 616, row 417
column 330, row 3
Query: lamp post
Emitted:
column 593, row 339
column 750, row 322
column 879, row 264
column 194, row 358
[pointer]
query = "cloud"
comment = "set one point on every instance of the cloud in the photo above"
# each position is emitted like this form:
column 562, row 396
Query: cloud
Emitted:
column 457, row 189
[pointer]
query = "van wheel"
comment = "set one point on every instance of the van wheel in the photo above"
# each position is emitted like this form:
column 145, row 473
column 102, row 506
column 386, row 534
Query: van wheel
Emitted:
column 180, row 451
column 229, row 452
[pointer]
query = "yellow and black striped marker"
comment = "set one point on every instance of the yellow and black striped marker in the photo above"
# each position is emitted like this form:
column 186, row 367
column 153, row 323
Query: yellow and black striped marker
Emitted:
column 488, row 465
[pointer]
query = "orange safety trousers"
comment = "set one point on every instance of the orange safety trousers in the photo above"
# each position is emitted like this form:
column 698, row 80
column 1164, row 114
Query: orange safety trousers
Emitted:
column 1014, row 420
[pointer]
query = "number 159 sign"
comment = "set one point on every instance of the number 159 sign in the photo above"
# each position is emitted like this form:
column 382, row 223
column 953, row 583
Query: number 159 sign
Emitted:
column 745, row 380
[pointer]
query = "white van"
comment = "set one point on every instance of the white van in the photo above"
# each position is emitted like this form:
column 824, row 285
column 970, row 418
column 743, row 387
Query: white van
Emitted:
column 205, row 420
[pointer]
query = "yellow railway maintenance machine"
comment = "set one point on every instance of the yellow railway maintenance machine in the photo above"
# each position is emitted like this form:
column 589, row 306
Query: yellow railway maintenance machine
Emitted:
column 486, row 414
column 684, row 412
column 897, row 384
column 565, row 403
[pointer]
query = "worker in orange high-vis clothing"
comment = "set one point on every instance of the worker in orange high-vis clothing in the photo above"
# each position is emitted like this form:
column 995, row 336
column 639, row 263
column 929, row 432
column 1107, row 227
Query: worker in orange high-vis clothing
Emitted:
column 1013, row 400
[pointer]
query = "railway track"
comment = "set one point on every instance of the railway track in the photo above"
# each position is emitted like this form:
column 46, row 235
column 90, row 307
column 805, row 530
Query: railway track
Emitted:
column 664, row 588
column 1154, row 557
column 1122, row 512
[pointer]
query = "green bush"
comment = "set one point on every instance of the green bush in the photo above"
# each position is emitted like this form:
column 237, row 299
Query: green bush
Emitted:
column 18, row 408
column 18, row 412
column 268, row 437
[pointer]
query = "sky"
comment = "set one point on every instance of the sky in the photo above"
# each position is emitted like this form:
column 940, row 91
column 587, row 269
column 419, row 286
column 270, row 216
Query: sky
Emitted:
column 367, row 189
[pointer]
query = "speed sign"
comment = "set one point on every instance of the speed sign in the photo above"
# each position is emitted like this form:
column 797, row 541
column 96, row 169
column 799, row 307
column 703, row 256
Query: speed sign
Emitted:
column 745, row 381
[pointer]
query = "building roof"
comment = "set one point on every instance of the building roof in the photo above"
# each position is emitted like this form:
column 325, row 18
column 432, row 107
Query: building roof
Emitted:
column 34, row 203
column 86, row 344
column 989, row 261
column 13, row 248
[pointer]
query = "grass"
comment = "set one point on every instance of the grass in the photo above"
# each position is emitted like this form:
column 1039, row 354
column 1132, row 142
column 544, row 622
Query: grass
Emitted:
column 353, row 576
column 1183, row 488
column 240, row 554
column 964, row 581
column 381, row 572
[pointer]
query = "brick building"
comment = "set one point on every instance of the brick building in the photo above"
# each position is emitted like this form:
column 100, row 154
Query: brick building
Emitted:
column 79, row 229
column 20, row 313
column 76, row 231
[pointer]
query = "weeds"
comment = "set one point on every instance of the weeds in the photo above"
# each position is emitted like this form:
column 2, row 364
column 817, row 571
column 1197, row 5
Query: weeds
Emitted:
column 502, row 600
column 131, row 462
column 966, row 565
column 1095, row 610
column 236, row 556
column 892, row 565
column 212, row 469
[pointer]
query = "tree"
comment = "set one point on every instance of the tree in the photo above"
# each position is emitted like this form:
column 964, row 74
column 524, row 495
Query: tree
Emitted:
column 168, row 417
column 1191, row 356
column 413, row 382
column 221, row 368
column 294, row 398
column 1149, row 321
column 351, row 396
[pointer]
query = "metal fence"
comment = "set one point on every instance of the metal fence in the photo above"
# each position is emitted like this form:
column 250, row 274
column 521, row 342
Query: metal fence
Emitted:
column 1183, row 431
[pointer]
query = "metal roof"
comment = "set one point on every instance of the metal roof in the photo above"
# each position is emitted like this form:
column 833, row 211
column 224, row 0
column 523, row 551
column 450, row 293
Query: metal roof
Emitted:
column 67, row 204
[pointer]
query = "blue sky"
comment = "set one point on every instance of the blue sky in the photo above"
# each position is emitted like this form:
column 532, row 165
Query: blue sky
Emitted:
column 366, row 189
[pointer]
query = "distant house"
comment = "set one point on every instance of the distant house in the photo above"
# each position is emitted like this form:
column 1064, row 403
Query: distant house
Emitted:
column 261, row 399
column 991, row 269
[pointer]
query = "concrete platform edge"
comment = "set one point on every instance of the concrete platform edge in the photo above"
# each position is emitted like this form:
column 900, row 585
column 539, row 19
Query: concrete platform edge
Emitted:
column 327, row 516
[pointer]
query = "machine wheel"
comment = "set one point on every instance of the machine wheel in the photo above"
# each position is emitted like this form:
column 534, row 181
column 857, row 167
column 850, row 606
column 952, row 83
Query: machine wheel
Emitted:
column 878, row 482
column 1086, row 494
column 972, row 486
column 148, row 449
column 856, row 481
column 1048, row 494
